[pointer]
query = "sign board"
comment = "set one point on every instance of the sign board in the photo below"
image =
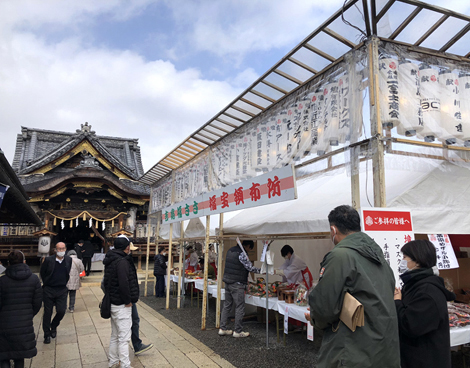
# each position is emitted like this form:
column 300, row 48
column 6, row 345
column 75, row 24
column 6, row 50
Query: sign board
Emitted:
column 272, row 187
column 310, row 335
column 444, row 252
column 391, row 229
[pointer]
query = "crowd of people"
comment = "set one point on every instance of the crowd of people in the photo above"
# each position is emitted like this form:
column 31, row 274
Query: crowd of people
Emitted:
column 403, row 327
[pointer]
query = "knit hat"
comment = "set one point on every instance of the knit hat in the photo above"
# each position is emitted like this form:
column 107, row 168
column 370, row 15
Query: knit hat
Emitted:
column 121, row 242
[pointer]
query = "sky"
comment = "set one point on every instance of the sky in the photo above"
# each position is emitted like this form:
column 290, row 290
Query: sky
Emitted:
column 155, row 70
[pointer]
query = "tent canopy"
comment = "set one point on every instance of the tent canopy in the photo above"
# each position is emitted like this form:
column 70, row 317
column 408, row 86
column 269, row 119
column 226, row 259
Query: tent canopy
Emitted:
column 438, row 197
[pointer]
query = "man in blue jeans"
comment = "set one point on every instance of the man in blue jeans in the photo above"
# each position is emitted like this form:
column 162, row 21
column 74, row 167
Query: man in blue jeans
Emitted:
column 237, row 266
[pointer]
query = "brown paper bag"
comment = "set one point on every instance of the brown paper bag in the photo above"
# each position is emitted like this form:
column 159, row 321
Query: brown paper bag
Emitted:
column 352, row 313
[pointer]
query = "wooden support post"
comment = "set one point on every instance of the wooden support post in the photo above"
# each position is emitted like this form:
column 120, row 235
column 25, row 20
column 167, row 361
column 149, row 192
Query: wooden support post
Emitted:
column 355, row 184
column 206, row 270
column 377, row 145
column 219, row 270
column 139, row 262
column 157, row 235
column 170, row 266
column 148, row 253
column 180, row 267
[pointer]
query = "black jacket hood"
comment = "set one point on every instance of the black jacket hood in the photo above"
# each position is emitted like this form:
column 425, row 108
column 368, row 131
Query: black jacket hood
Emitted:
column 113, row 255
column 20, row 271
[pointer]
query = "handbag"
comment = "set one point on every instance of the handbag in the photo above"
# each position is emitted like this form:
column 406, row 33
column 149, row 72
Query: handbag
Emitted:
column 105, row 306
column 82, row 274
column 352, row 313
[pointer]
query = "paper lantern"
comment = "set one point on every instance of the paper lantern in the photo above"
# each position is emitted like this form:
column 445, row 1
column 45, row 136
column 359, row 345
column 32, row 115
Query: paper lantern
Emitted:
column 411, row 116
column 304, row 134
column 317, row 123
column 331, row 113
column 44, row 244
column 388, row 92
column 430, row 103
column 451, row 118
column 464, row 82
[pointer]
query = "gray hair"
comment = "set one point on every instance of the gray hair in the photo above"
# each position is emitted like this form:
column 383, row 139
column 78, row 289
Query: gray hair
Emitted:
column 72, row 253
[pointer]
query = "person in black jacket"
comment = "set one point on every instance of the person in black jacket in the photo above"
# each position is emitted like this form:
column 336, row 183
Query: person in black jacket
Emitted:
column 20, row 301
column 55, row 274
column 423, row 319
column 78, row 247
column 120, row 282
column 88, row 251
column 159, row 271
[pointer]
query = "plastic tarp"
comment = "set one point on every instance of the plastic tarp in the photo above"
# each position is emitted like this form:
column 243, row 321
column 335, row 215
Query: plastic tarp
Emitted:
column 438, row 197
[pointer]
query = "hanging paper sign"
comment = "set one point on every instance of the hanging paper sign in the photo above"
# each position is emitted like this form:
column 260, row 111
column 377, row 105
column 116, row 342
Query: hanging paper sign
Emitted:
column 445, row 255
column 411, row 116
column 265, row 248
column 451, row 117
column 286, row 319
column 389, row 89
column 3, row 190
column 464, row 79
column 310, row 332
column 430, row 103
column 276, row 186
column 390, row 229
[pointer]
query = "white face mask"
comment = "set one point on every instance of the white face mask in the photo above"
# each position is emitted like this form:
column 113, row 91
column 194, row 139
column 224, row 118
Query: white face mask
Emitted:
column 403, row 266
column 60, row 254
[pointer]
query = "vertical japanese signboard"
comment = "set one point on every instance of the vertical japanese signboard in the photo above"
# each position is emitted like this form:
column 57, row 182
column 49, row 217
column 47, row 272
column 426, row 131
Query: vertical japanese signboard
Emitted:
column 391, row 229
column 275, row 186
column 444, row 252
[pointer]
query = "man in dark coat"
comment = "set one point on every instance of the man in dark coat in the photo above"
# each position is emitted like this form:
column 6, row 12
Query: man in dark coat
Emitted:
column 20, row 301
column 120, row 282
column 79, row 249
column 159, row 271
column 88, row 251
column 355, row 265
column 237, row 267
column 55, row 273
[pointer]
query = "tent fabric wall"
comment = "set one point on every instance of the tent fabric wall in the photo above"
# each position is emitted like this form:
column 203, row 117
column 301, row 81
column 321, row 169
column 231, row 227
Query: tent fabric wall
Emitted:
column 437, row 195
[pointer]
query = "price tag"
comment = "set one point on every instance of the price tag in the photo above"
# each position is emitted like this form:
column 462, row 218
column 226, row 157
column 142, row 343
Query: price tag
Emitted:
column 286, row 320
column 309, row 331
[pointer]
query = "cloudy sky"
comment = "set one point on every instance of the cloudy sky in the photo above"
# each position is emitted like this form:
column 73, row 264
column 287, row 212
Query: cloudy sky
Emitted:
column 155, row 70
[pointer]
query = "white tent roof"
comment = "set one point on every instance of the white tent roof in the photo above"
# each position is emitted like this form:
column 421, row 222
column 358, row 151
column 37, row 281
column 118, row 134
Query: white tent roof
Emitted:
column 438, row 197
column 194, row 229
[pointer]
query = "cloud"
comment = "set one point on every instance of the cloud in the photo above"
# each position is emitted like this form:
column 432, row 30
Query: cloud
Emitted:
column 61, row 86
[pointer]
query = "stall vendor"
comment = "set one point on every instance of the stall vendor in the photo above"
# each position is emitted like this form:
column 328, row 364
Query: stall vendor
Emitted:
column 213, row 258
column 191, row 262
column 292, row 267
column 210, row 270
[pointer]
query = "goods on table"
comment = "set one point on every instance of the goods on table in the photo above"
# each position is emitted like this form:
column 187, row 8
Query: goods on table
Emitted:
column 301, row 293
column 258, row 288
column 459, row 314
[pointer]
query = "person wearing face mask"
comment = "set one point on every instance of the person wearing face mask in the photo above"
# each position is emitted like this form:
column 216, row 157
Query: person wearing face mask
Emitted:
column 20, row 301
column 55, row 274
column 159, row 271
column 293, row 266
column 355, row 265
column 423, row 319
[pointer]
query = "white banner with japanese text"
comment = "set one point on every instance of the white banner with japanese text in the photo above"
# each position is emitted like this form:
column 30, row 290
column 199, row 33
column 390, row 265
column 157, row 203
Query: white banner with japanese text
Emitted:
column 391, row 229
column 445, row 254
column 275, row 186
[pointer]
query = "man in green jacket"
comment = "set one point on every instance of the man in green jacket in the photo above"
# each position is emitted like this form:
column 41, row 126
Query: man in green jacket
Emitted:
column 355, row 265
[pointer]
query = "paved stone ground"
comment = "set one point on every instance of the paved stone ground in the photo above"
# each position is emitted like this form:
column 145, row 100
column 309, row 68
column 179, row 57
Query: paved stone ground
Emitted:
column 83, row 340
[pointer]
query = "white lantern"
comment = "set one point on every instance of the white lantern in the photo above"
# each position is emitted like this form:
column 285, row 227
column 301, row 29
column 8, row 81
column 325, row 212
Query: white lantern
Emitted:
column 317, row 123
column 411, row 116
column 430, row 103
column 451, row 118
column 304, row 137
column 464, row 82
column 44, row 244
column 331, row 113
column 388, row 92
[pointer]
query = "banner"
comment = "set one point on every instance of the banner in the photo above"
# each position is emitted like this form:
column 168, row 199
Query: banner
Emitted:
column 391, row 229
column 275, row 186
column 3, row 190
column 444, row 252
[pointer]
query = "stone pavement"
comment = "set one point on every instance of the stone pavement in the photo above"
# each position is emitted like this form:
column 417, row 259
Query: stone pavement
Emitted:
column 83, row 340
